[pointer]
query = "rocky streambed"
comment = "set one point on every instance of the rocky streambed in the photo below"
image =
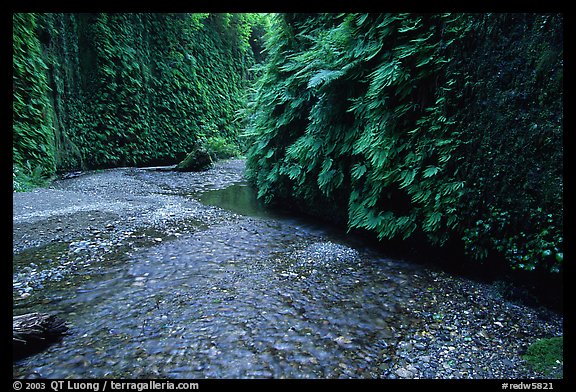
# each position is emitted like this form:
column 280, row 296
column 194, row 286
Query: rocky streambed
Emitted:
column 156, row 280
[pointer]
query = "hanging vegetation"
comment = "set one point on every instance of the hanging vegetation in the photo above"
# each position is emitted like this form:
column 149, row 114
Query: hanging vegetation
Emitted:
column 438, row 127
column 33, row 152
column 104, row 90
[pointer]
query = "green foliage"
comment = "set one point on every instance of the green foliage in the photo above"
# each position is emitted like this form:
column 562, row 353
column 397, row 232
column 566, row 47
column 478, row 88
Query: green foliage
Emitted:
column 220, row 148
column 510, row 113
column 33, row 136
column 377, row 119
column 102, row 90
column 197, row 160
column 349, row 108
column 25, row 177
column 546, row 356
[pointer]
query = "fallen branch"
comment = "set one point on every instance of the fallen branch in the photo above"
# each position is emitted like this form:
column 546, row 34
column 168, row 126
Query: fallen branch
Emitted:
column 32, row 332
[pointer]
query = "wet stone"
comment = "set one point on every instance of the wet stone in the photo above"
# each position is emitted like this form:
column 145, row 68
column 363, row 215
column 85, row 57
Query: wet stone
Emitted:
column 404, row 373
column 325, row 254
column 172, row 287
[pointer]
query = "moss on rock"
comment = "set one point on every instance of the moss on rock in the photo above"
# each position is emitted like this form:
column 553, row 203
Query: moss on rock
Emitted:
column 197, row 160
column 546, row 356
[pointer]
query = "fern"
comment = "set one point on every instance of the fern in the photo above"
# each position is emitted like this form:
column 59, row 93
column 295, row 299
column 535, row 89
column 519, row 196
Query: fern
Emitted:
column 430, row 171
column 323, row 77
column 354, row 108
column 366, row 111
column 406, row 178
column 358, row 171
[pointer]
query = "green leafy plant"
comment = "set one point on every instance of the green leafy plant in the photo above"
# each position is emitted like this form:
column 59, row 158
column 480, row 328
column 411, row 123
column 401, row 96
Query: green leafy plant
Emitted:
column 338, row 112
column 33, row 135
column 100, row 90
column 546, row 356
column 383, row 122
column 221, row 148
column 26, row 177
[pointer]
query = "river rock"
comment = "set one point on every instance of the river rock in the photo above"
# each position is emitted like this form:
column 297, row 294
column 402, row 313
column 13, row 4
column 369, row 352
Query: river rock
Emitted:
column 404, row 373
column 326, row 253
column 362, row 306
column 197, row 160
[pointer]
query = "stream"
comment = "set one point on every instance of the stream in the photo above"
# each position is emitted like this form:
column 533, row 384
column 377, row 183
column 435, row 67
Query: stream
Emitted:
column 164, row 274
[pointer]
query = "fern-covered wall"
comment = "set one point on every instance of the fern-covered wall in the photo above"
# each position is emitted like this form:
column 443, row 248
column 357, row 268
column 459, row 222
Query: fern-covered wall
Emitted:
column 33, row 138
column 439, row 128
column 103, row 90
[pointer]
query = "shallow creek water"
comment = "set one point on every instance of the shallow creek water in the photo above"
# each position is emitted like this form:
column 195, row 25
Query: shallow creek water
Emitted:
column 186, row 275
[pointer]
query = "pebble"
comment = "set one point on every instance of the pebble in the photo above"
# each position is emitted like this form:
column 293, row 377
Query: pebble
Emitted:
column 405, row 346
column 404, row 373
column 326, row 253
column 342, row 340
column 321, row 300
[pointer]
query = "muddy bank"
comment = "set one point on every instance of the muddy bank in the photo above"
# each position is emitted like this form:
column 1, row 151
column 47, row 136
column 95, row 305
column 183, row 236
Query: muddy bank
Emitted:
column 155, row 283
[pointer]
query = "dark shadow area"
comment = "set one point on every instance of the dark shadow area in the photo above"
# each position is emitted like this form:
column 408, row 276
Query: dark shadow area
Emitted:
column 532, row 288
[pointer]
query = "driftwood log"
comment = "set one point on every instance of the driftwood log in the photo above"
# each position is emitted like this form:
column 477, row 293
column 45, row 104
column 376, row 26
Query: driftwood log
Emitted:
column 33, row 332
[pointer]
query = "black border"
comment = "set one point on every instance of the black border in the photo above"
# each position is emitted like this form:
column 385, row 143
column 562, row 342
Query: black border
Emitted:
column 279, row 6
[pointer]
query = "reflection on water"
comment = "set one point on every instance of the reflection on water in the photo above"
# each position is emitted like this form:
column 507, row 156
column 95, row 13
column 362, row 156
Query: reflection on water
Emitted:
column 228, row 301
column 238, row 198
column 232, row 300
